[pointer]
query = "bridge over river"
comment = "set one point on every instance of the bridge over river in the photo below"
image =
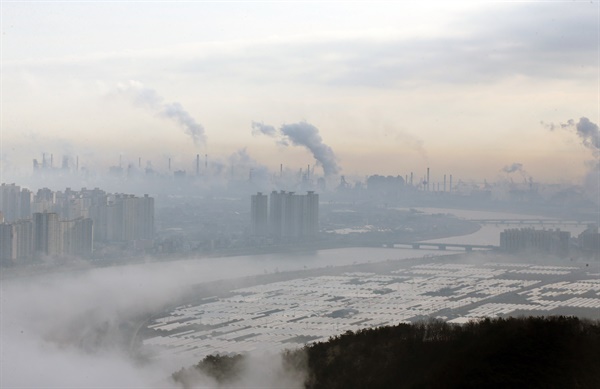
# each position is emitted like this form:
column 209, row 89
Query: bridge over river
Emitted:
column 441, row 246
column 533, row 222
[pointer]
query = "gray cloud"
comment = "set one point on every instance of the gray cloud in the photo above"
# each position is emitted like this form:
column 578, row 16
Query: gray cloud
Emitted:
column 541, row 40
column 148, row 98
column 537, row 40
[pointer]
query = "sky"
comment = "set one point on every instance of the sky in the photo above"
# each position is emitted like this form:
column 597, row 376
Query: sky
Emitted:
column 387, row 88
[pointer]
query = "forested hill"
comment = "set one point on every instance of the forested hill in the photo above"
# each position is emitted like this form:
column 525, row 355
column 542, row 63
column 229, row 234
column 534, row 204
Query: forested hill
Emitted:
column 554, row 352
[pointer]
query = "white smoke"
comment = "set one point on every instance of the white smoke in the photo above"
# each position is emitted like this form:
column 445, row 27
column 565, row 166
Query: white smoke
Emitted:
column 261, row 128
column 306, row 135
column 589, row 134
column 148, row 98
column 258, row 174
column 586, row 130
column 513, row 168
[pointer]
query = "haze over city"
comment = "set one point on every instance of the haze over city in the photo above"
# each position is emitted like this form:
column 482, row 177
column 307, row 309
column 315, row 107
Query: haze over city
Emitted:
column 390, row 87
column 193, row 183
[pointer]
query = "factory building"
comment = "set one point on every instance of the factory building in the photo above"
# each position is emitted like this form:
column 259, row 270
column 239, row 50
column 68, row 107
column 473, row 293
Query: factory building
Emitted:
column 528, row 239
column 290, row 217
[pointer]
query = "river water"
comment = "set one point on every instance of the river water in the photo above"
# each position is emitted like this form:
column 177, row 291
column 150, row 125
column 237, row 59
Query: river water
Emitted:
column 489, row 234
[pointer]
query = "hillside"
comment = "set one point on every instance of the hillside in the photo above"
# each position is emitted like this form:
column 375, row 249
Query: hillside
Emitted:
column 554, row 352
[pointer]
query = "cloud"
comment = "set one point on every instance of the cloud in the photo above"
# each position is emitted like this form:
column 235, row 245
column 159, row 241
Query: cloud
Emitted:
column 541, row 41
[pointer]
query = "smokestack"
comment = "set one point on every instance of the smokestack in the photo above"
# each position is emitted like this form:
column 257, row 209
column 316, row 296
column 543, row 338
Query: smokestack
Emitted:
column 140, row 162
column 280, row 170
column 197, row 164
column 444, row 183
column 427, row 179
column 51, row 160
column 450, row 183
column 411, row 178
column 43, row 160
column 169, row 164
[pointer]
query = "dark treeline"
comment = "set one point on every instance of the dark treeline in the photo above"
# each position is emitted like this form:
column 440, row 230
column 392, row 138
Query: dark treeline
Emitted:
column 535, row 352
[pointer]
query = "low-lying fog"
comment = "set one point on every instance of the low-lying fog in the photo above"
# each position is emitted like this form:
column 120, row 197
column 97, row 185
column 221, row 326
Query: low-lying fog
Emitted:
column 67, row 327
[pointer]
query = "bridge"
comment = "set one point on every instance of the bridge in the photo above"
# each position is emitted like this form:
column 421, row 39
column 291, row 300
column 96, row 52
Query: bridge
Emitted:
column 441, row 246
column 536, row 222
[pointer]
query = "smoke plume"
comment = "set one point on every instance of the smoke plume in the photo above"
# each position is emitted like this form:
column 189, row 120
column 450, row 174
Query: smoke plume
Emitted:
column 586, row 130
column 148, row 98
column 261, row 128
column 306, row 135
column 513, row 168
column 258, row 173
column 589, row 134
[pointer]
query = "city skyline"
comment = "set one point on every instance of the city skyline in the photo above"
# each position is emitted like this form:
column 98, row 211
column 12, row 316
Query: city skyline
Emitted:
column 389, row 88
